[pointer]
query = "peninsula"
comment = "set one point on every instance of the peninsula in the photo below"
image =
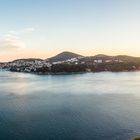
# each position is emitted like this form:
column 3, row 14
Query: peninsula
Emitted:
column 68, row 62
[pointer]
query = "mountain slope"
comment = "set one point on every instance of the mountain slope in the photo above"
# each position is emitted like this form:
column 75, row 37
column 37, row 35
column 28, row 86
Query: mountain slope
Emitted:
column 64, row 56
column 103, row 57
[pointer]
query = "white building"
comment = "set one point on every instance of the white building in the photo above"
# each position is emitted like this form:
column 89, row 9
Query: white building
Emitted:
column 98, row 61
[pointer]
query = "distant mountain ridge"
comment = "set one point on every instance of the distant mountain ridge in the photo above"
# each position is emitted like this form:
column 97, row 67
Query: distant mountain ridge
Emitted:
column 63, row 56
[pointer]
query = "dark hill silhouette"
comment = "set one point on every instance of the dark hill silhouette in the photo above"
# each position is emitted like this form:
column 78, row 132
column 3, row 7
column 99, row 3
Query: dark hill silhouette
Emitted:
column 64, row 56
column 68, row 55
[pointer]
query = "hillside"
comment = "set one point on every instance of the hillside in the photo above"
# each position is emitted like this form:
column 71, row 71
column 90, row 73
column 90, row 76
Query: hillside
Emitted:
column 28, row 59
column 123, row 58
column 128, row 58
column 64, row 56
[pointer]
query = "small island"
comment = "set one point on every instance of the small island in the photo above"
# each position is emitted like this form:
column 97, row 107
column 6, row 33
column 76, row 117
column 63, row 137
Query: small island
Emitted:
column 68, row 62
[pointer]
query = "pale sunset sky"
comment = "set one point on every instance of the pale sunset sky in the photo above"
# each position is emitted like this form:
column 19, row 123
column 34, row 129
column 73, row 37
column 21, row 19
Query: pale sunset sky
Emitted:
column 43, row 28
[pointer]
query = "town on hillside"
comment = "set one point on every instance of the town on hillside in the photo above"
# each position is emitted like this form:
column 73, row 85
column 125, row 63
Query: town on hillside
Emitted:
column 66, row 62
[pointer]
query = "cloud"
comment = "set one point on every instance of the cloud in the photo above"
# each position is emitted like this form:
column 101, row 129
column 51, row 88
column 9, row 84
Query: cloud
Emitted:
column 22, row 31
column 11, row 42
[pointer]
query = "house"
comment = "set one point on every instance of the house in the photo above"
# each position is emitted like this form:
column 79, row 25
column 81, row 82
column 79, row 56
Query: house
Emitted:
column 98, row 61
column 108, row 61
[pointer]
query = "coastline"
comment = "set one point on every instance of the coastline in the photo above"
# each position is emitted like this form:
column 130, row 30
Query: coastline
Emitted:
column 68, row 73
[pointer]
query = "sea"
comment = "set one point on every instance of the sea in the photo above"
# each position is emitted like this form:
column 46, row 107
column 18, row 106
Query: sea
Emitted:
column 90, row 106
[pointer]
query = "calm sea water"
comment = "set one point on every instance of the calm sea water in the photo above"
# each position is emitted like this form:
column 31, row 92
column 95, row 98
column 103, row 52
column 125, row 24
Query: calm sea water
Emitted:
column 93, row 106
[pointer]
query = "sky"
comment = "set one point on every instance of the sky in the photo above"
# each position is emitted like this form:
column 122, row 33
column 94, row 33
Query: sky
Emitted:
column 43, row 28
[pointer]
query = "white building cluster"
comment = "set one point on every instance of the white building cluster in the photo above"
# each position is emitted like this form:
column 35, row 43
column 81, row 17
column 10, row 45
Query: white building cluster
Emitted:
column 28, row 65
